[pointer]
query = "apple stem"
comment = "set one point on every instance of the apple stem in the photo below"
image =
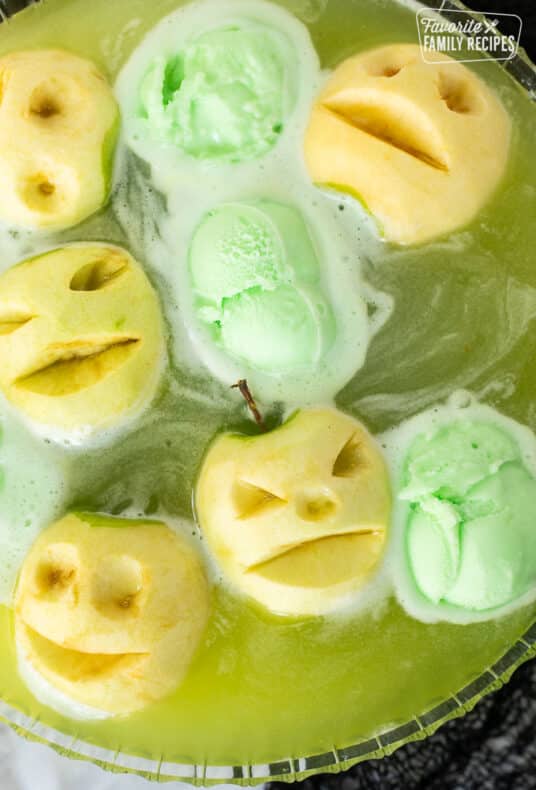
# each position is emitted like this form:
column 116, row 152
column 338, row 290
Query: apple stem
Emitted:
column 245, row 391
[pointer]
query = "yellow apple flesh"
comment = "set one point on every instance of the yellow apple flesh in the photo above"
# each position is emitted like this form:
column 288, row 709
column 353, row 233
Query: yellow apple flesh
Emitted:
column 421, row 144
column 297, row 518
column 81, row 337
column 110, row 612
column 58, row 125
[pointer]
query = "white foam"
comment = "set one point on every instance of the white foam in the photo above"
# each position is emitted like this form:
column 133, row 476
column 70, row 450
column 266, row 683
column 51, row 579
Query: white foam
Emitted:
column 32, row 494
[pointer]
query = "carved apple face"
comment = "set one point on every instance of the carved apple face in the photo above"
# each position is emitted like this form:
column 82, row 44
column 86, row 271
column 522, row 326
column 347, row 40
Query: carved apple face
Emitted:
column 109, row 611
column 58, row 126
column 81, row 337
column 421, row 144
column 297, row 518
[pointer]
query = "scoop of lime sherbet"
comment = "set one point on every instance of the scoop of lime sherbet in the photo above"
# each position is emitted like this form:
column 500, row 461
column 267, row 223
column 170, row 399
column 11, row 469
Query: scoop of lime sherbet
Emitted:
column 275, row 330
column 455, row 458
column 236, row 247
column 433, row 544
column 471, row 532
column 257, row 286
column 225, row 96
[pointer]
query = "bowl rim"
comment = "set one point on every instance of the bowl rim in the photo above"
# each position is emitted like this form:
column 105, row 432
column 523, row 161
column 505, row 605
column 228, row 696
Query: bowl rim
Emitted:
column 337, row 759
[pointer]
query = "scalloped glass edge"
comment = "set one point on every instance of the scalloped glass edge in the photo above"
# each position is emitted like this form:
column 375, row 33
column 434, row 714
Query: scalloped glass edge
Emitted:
column 337, row 759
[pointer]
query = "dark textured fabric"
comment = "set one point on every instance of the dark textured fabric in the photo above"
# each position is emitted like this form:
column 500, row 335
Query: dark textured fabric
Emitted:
column 10, row 7
column 526, row 9
column 491, row 748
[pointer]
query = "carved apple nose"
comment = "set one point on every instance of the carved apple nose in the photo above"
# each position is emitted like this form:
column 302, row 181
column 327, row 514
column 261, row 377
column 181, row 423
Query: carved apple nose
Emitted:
column 316, row 505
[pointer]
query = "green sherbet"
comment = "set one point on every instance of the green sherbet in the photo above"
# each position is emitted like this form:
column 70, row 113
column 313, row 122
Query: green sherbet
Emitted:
column 275, row 331
column 225, row 96
column 455, row 458
column 499, row 548
column 256, row 281
column 471, row 533
column 236, row 247
column 434, row 531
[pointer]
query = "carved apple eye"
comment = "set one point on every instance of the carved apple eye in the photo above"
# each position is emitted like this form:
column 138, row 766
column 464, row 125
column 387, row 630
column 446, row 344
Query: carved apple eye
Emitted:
column 388, row 70
column 118, row 586
column 388, row 67
column 53, row 99
column 57, row 571
column 350, row 460
column 98, row 274
column 43, row 105
column 250, row 500
column 457, row 93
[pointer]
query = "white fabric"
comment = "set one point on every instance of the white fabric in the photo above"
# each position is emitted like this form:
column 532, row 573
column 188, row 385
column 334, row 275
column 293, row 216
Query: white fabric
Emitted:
column 30, row 766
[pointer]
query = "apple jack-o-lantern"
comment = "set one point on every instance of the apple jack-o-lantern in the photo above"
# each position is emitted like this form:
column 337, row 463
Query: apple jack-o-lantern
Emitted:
column 297, row 518
column 421, row 144
column 81, row 337
column 110, row 612
column 58, row 127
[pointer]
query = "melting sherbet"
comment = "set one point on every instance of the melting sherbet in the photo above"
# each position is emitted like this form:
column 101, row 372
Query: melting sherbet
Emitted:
column 470, row 536
column 224, row 96
column 256, row 279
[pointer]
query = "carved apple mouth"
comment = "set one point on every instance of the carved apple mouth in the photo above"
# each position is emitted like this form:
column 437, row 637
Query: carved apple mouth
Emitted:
column 73, row 367
column 323, row 562
column 78, row 666
column 11, row 323
column 322, row 541
column 385, row 119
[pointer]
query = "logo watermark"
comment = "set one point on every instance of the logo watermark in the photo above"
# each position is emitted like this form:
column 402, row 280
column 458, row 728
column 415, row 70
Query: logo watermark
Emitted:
column 458, row 33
